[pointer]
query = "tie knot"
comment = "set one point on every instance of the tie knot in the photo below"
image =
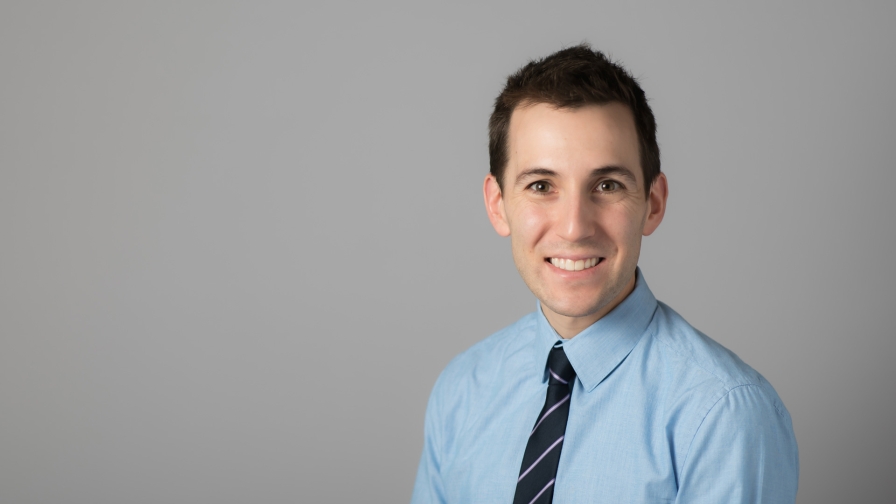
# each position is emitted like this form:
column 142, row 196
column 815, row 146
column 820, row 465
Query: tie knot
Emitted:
column 560, row 371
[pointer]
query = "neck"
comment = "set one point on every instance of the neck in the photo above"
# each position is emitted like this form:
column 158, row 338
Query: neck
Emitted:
column 569, row 326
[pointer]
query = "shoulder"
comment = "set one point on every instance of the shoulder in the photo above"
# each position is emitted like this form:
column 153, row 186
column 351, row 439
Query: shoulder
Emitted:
column 716, row 402
column 701, row 363
column 470, row 383
column 487, row 357
column 682, row 341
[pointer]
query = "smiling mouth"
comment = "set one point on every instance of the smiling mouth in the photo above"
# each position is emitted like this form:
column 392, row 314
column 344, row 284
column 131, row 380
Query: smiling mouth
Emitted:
column 571, row 265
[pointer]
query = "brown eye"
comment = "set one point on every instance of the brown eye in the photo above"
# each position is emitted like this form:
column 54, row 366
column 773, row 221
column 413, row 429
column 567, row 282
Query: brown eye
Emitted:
column 540, row 187
column 609, row 186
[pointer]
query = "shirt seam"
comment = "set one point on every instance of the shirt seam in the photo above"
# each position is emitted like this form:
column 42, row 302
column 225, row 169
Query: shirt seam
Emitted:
column 689, row 357
column 687, row 456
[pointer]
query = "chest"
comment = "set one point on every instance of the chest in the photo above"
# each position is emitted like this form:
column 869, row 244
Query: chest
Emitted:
column 618, row 448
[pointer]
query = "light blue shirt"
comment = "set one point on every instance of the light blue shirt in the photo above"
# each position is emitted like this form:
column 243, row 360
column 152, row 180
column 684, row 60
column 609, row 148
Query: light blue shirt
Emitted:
column 659, row 413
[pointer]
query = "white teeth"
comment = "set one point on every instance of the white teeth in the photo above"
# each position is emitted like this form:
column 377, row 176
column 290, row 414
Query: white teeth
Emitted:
column 570, row 265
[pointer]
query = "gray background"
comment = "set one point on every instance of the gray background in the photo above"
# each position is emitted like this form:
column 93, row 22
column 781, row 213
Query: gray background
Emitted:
column 239, row 242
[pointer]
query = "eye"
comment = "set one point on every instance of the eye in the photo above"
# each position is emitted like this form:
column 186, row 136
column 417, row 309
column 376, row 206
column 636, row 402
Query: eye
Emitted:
column 609, row 186
column 541, row 187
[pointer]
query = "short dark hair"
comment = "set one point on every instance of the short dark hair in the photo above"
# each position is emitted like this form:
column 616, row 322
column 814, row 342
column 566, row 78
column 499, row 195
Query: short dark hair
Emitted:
column 573, row 78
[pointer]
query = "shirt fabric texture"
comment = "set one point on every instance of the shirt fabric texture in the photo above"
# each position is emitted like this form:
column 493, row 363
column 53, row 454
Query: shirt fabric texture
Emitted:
column 659, row 413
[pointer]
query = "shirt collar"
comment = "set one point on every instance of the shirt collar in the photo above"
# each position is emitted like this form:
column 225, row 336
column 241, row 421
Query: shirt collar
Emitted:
column 597, row 350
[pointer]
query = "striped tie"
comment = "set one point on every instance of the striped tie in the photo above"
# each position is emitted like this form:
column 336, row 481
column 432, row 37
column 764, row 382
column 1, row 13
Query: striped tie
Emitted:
column 539, row 468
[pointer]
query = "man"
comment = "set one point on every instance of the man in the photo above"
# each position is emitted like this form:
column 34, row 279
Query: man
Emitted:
column 603, row 394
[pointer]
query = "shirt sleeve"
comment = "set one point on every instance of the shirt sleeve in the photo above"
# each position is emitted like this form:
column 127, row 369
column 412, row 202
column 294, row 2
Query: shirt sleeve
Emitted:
column 428, row 487
column 743, row 452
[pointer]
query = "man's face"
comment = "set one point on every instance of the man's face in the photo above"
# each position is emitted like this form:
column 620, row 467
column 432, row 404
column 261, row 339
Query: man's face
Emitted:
column 574, row 206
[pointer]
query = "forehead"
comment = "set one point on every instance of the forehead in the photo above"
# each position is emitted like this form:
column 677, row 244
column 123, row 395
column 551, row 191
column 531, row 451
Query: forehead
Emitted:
column 569, row 140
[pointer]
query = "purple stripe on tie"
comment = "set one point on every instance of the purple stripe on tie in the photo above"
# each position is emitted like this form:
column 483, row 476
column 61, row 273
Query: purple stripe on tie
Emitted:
column 548, row 412
column 557, row 377
column 542, row 491
column 539, row 458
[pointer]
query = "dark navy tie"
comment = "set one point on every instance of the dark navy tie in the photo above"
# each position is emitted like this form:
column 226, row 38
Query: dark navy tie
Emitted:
column 539, row 467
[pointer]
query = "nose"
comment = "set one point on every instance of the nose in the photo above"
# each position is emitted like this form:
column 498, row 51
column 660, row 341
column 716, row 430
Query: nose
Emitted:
column 576, row 219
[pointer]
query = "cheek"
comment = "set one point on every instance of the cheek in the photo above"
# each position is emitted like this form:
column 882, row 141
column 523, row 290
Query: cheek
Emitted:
column 529, row 225
column 625, row 225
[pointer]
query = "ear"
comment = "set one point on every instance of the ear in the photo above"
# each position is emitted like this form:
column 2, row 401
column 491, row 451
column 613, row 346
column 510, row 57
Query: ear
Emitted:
column 656, row 204
column 494, row 205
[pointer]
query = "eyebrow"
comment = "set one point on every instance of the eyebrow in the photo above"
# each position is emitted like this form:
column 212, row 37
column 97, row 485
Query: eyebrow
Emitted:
column 540, row 172
column 615, row 170
column 595, row 173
